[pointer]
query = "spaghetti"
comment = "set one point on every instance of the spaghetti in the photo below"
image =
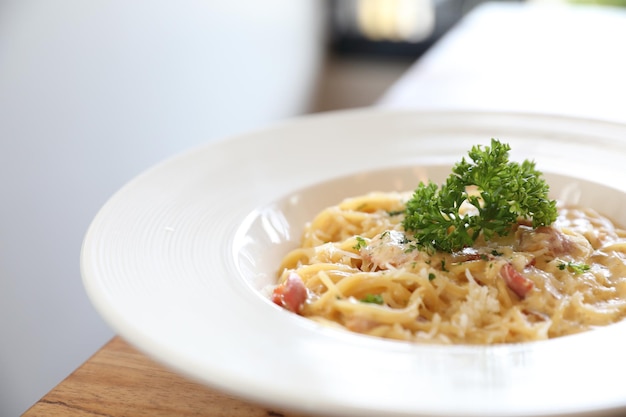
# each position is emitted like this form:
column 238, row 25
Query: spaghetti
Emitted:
column 357, row 269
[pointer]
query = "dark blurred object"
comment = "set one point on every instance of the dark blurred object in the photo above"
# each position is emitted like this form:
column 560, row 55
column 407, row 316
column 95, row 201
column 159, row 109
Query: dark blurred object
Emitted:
column 393, row 28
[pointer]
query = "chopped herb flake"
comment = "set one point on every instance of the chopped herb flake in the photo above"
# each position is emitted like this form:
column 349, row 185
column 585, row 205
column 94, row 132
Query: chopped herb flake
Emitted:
column 372, row 299
column 360, row 243
column 443, row 265
column 577, row 268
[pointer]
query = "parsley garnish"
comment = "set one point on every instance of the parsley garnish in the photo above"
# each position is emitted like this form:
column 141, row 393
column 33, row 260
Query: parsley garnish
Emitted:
column 360, row 243
column 372, row 299
column 577, row 268
column 506, row 191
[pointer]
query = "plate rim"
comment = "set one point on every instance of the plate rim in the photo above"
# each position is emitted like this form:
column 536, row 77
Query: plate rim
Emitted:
column 164, row 354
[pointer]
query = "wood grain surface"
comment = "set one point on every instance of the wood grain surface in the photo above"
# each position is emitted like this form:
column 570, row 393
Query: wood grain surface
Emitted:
column 120, row 381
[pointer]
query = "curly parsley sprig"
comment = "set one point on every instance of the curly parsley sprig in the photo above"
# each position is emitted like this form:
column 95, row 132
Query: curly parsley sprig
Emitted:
column 505, row 192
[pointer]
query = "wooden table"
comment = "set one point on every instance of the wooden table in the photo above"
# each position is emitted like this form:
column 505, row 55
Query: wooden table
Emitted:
column 120, row 381
column 488, row 62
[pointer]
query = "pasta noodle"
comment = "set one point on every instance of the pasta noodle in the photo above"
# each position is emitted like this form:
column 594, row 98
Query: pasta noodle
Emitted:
column 361, row 273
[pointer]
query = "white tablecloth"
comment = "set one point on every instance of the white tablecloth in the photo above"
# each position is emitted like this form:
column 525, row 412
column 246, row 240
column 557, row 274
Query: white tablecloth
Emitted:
column 556, row 59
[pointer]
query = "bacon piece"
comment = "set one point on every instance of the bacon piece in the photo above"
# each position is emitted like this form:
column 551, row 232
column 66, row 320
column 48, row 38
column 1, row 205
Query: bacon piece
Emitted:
column 360, row 324
column 517, row 282
column 467, row 254
column 544, row 237
column 291, row 294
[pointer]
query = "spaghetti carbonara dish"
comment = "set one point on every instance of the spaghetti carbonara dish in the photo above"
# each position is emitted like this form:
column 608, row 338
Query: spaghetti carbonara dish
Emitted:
column 358, row 268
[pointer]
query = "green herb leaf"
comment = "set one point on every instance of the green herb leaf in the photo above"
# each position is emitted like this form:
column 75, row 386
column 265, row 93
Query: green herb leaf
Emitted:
column 577, row 268
column 360, row 243
column 505, row 192
column 373, row 299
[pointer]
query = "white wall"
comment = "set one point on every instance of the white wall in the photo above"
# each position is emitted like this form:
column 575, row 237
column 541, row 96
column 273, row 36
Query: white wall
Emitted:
column 91, row 94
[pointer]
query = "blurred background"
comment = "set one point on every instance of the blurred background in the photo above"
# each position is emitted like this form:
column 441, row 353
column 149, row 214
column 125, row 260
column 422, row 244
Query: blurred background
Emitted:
column 93, row 93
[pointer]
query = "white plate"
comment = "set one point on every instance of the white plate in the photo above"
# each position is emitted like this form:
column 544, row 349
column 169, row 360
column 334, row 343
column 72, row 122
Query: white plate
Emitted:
column 176, row 261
